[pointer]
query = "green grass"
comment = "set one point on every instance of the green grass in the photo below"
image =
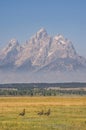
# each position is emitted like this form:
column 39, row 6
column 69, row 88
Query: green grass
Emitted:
column 67, row 113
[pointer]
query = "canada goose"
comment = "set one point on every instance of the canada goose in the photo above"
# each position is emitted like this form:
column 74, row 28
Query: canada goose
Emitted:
column 40, row 113
column 47, row 113
column 22, row 113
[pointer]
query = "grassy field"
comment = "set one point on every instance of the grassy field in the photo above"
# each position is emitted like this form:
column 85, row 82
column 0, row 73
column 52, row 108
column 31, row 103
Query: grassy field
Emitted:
column 67, row 113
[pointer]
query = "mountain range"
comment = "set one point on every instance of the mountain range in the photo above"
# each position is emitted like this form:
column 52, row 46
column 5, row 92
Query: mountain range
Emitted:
column 41, row 54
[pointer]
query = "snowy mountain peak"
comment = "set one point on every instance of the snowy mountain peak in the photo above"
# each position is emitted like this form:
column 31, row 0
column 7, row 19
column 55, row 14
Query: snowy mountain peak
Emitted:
column 41, row 33
column 59, row 37
column 60, row 40
column 12, row 46
column 13, row 42
column 42, row 30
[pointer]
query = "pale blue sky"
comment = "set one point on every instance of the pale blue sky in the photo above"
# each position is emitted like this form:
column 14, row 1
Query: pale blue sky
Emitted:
column 20, row 19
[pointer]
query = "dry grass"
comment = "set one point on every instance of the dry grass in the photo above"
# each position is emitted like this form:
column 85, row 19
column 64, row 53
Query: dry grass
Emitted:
column 67, row 113
column 36, row 101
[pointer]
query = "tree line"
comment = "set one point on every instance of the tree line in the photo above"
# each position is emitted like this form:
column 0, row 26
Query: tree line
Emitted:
column 42, row 89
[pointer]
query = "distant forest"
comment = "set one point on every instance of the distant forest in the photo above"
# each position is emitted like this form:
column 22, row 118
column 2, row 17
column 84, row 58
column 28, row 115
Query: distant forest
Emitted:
column 42, row 89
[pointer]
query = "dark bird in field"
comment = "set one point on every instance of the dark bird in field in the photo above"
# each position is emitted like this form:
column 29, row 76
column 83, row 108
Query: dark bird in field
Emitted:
column 41, row 112
column 22, row 113
column 47, row 113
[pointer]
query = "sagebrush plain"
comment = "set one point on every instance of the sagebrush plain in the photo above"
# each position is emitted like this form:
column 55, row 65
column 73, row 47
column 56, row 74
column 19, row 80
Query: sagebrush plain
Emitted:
column 67, row 113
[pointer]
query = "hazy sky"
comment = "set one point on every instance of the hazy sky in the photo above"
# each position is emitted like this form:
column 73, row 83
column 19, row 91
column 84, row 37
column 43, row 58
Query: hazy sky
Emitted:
column 20, row 19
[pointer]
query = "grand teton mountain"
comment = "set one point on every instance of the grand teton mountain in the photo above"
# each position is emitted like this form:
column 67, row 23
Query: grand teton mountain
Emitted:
column 42, row 58
column 41, row 53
